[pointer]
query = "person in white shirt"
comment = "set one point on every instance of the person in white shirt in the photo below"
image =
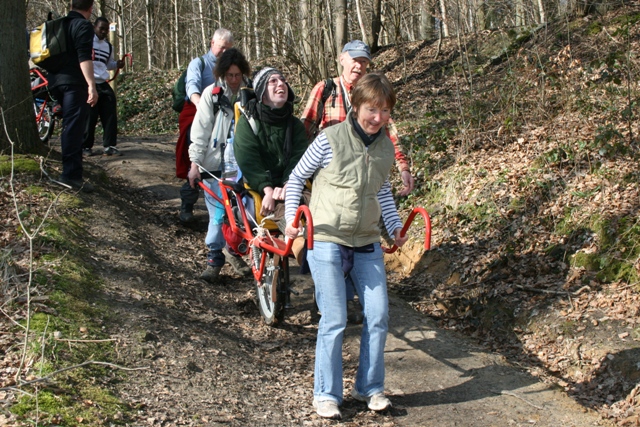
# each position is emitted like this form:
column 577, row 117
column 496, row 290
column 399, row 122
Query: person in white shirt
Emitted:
column 106, row 108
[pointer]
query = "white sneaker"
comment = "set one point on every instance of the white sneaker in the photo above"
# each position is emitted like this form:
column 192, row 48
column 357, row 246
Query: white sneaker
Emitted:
column 375, row 402
column 327, row 409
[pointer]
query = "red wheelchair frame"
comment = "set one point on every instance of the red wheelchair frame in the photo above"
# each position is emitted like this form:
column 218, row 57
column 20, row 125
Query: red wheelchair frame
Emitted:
column 42, row 104
column 269, row 254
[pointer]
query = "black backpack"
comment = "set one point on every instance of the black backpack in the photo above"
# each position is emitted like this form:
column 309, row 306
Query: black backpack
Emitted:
column 180, row 89
column 48, row 44
column 329, row 90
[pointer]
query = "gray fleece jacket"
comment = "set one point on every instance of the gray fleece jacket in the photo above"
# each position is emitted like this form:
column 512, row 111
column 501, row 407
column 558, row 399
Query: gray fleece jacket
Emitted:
column 208, row 132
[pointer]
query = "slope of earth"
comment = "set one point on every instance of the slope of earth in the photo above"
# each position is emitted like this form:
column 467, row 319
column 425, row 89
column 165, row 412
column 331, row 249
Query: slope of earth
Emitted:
column 526, row 148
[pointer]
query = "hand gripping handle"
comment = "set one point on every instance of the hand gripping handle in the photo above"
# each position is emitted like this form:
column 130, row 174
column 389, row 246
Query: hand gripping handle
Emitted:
column 427, row 231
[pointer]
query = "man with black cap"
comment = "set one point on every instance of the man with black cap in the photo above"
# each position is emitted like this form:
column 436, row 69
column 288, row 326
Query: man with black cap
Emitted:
column 268, row 155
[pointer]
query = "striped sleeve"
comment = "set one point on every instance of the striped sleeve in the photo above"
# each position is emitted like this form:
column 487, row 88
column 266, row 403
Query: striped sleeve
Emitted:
column 389, row 211
column 317, row 156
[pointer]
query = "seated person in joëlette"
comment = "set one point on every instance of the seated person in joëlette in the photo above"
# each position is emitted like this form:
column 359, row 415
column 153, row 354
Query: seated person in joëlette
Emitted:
column 268, row 155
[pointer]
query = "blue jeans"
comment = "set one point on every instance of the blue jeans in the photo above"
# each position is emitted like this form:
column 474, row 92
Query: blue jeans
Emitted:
column 75, row 113
column 214, row 239
column 370, row 280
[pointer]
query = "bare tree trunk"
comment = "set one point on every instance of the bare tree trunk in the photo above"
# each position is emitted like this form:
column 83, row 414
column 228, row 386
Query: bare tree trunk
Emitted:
column 541, row 12
column 201, row 16
column 274, row 31
column 16, row 102
column 424, row 22
column 103, row 8
column 408, row 22
column 148, row 27
column 340, row 19
column 305, row 32
column 246, row 24
column 360, row 23
column 443, row 19
column 481, row 21
column 256, row 31
column 122, row 45
column 384, row 32
column 519, row 21
column 328, row 30
column 376, row 25
column 176, row 33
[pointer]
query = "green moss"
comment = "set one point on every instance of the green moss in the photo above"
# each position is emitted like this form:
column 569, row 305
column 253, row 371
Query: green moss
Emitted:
column 75, row 312
column 517, row 204
column 602, row 227
column 566, row 225
column 567, row 328
column 65, row 406
column 594, row 28
column 590, row 262
column 21, row 164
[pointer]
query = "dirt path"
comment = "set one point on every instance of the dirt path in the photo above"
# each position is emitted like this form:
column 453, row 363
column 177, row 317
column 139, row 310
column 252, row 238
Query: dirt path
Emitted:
column 210, row 359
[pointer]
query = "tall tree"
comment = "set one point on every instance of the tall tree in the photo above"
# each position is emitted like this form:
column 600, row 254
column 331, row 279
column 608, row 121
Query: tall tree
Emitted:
column 16, row 102
column 340, row 18
column 376, row 25
column 427, row 20
column 147, row 21
column 444, row 25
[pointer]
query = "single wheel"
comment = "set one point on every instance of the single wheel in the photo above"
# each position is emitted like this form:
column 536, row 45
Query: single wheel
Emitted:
column 45, row 120
column 270, row 288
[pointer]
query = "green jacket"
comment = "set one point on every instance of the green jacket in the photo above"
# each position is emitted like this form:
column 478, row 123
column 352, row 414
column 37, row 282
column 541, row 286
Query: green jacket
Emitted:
column 263, row 165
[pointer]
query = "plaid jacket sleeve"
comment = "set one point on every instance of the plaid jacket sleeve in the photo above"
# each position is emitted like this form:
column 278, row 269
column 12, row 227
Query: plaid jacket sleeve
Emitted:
column 401, row 160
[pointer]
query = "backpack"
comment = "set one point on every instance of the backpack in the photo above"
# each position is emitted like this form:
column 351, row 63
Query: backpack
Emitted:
column 329, row 90
column 48, row 45
column 180, row 89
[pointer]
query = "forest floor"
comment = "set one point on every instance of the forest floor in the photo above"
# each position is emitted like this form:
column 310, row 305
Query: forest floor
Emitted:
column 208, row 358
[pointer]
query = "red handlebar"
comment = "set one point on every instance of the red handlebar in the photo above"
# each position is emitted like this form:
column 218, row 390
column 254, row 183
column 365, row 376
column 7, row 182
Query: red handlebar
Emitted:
column 126, row 55
column 427, row 226
column 279, row 247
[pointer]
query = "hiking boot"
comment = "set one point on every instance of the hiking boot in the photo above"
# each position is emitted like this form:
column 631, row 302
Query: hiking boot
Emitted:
column 87, row 152
column 112, row 151
column 327, row 409
column 375, row 402
column 238, row 264
column 211, row 273
column 186, row 213
column 354, row 312
column 77, row 184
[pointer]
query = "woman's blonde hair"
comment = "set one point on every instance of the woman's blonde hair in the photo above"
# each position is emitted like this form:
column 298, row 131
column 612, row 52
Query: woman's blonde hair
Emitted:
column 375, row 89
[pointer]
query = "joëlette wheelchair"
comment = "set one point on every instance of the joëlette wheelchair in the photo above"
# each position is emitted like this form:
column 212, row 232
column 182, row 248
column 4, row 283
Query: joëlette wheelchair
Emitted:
column 250, row 233
column 247, row 232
